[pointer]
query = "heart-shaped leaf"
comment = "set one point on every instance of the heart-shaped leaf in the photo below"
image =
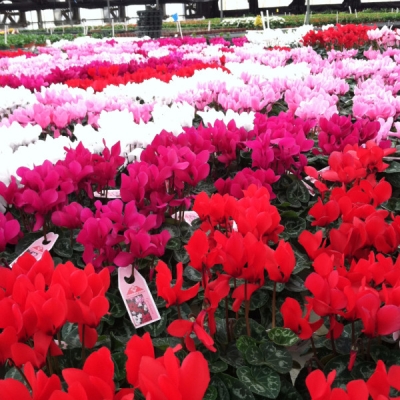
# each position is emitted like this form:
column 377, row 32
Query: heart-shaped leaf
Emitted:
column 260, row 380
column 237, row 390
column 283, row 336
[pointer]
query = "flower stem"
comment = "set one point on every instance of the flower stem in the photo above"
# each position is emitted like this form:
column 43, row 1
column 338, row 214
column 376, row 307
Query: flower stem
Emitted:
column 234, row 287
column 21, row 373
column 274, row 307
column 333, row 344
column 313, row 347
column 49, row 364
column 71, row 237
column 83, row 344
column 228, row 335
column 180, row 317
column 247, row 310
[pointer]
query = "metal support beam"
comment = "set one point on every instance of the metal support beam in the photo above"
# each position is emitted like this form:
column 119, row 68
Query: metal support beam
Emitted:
column 39, row 19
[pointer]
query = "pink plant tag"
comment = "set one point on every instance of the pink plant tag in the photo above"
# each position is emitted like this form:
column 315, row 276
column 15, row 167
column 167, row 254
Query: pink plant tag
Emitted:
column 111, row 194
column 309, row 188
column 37, row 248
column 138, row 300
column 188, row 216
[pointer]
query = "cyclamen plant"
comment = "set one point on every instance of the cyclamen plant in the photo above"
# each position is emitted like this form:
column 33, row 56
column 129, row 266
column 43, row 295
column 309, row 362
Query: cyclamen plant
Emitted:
column 269, row 263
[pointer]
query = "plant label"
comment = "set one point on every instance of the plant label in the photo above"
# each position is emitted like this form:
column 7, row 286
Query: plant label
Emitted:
column 38, row 247
column 137, row 297
column 110, row 194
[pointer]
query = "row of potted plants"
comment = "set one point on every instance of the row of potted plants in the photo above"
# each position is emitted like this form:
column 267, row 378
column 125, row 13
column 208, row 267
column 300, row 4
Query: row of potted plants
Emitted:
column 273, row 196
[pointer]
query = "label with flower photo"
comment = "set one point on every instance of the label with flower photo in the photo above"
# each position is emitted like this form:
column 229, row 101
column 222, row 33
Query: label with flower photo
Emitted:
column 137, row 297
column 38, row 247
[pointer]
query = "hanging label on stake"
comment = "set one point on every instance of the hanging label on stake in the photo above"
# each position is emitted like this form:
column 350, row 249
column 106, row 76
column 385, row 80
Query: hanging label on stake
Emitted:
column 137, row 297
column 110, row 194
column 37, row 248
column 188, row 216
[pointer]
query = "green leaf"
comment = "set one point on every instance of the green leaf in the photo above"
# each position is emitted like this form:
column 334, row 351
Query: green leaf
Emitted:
column 57, row 261
column 363, row 369
column 394, row 180
column 181, row 255
column 283, row 336
column 232, row 356
column 257, row 331
column 295, row 284
column 192, row 274
column 293, row 227
column 165, row 342
column 173, row 230
column 174, row 244
column 302, row 261
column 108, row 319
column 210, row 356
column 244, row 342
column 222, row 390
column 393, row 168
column 211, row 393
column 156, row 328
column 297, row 192
column 138, row 395
column 258, row 299
column 80, row 248
column 70, row 335
column 389, row 357
column 119, row 359
column 13, row 373
column 221, row 329
column 358, row 327
column 205, row 186
column 260, row 380
column 117, row 306
column 342, row 345
column 392, row 204
column 218, row 366
column 340, row 364
column 288, row 392
column 118, row 342
column 237, row 390
column 278, row 358
column 270, row 286
column 63, row 248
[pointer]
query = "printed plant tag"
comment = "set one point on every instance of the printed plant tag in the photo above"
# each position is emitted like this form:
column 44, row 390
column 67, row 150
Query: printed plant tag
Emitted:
column 138, row 300
column 188, row 216
column 37, row 248
column 309, row 188
column 111, row 194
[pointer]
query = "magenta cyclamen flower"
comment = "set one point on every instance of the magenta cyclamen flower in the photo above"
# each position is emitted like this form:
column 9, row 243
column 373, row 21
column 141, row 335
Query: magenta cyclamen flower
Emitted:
column 142, row 244
column 226, row 139
column 94, row 237
column 339, row 131
column 105, row 166
column 42, row 192
column 9, row 230
column 69, row 217
column 8, row 192
column 279, row 143
column 243, row 179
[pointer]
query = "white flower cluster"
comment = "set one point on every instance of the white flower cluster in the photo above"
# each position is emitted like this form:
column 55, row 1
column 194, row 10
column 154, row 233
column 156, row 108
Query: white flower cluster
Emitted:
column 278, row 37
